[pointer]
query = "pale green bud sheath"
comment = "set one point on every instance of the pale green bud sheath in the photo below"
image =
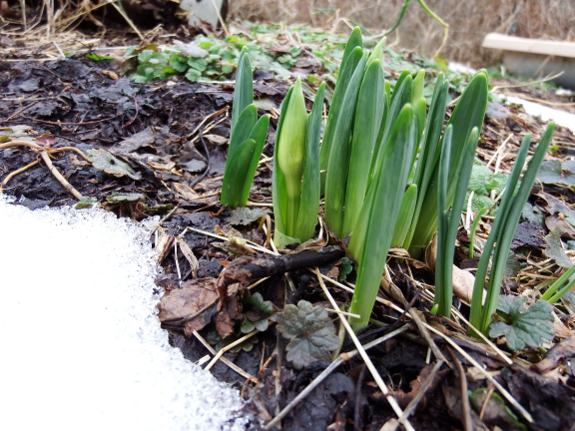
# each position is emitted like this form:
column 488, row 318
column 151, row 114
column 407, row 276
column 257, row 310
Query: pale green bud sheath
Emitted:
column 291, row 149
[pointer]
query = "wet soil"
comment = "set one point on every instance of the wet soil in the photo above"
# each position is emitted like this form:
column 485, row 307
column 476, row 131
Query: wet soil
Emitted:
column 173, row 136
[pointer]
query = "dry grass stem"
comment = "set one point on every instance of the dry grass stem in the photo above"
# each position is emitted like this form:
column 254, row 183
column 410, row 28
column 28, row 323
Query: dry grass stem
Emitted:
column 467, row 424
column 228, row 347
column 380, row 383
column 488, row 376
column 224, row 360
column 394, row 423
column 343, row 357
column 249, row 244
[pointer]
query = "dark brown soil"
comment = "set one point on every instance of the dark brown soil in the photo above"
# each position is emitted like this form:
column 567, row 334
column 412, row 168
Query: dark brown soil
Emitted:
column 168, row 133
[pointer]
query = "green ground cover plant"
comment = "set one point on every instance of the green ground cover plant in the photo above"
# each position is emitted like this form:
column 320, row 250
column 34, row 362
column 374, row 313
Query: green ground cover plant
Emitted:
column 208, row 58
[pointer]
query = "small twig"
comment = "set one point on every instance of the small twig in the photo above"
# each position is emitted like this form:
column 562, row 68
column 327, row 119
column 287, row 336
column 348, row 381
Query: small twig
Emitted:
column 486, row 402
column 166, row 217
column 77, row 151
column 226, row 361
column 69, row 187
column 131, row 120
column 358, row 396
column 208, row 117
column 270, row 266
column 415, row 401
column 467, row 424
column 20, row 143
column 488, row 376
column 38, row 147
column 16, row 172
column 45, row 154
column 64, row 123
column 380, row 383
column 207, row 155
column 19, row 111
column 228, row 347
column 343, row 357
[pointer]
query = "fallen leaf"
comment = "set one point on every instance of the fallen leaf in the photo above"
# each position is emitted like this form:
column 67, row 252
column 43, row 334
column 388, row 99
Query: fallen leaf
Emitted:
column 145, row 138
column 555, row 172
column 118, row 197
column 185, row 191
column 244, row 216
column 194, row 166
column 560, row 223
column 528, row 235
column 163, row 244
column 197, row 301
column 110, row 164
column 189, row 255
column 560, row 351
column 404, row 398
column 216, row 139
column 455, row 407
column 495, row 412
column 555, row 249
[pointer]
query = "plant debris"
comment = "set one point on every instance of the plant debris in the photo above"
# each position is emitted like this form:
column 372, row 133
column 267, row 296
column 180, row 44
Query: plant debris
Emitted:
column 159, row 148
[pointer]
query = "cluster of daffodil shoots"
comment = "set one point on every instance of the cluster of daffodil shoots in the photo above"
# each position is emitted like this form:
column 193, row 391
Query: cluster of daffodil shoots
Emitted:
column 380, row 155
column 390, row 171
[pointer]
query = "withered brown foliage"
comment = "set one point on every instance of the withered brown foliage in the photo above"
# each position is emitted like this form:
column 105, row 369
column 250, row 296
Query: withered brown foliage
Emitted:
column 469, row 21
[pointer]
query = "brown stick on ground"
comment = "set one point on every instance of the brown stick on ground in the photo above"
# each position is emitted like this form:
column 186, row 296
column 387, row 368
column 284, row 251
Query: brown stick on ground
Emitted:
column 69, row 187
column 243, row 272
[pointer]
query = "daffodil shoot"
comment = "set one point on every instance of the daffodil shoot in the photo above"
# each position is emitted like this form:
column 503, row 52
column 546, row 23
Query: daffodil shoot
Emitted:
column 247, row 139
column 296, row 177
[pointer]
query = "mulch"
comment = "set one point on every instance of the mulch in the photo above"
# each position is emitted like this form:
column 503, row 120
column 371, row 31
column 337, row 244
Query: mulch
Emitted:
column 173, row 135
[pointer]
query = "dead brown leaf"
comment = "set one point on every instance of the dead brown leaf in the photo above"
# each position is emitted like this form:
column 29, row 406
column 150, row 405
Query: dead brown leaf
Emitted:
column 197, row 301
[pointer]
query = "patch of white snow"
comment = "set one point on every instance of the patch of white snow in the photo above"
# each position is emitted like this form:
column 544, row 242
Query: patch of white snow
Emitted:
column 82, row 347
column 546, row 113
